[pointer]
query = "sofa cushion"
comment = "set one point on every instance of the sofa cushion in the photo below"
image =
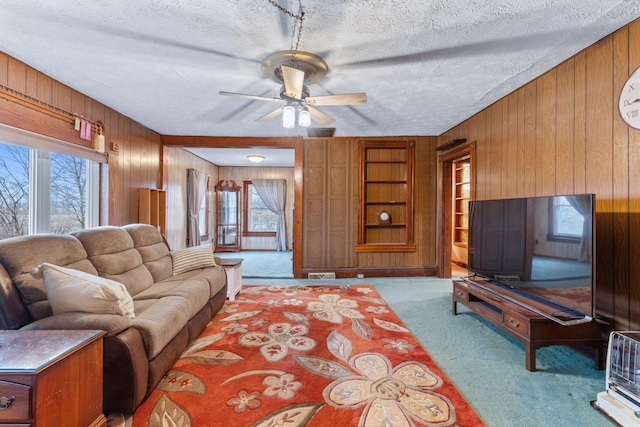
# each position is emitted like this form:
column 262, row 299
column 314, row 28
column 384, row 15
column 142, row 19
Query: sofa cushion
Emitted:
column 216, row 277
column 71, row 290
column 111, row 251
column 161, row 321
column 153, row 249
column 19, row 255
column 193, row 258
column 195, row 290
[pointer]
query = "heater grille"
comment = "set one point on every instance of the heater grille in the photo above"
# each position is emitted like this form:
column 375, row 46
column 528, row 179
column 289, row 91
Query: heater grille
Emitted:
column 623, row 363
column 322, row 276
column 621, row 400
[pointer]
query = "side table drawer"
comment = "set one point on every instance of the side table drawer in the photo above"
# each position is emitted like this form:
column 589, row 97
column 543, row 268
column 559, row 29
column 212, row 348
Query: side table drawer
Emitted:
column 15, row 401
column 516, row 322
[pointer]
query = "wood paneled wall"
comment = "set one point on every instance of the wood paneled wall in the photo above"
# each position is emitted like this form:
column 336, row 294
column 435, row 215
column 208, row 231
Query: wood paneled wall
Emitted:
column 240, row 174
column 562, row 133
column 330, row 211
column 176, row 162
column 138, row 162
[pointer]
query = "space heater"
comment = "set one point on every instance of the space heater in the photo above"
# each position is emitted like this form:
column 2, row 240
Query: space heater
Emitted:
column 621, row 399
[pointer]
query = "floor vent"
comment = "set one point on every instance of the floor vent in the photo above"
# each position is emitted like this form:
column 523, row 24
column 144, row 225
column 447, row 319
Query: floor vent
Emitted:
column 322, row 276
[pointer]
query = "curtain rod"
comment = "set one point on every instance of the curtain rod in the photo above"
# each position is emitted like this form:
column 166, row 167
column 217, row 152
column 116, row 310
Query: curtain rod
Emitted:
column 44, row 107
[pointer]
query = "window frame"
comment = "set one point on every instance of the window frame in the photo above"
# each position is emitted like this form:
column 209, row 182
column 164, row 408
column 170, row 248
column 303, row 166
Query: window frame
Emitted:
column 40, row 149
column 552, row 235
column 204, row 217
column 246, row 210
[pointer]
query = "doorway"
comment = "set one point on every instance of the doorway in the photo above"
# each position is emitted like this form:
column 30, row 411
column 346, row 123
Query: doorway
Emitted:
column 456, row 172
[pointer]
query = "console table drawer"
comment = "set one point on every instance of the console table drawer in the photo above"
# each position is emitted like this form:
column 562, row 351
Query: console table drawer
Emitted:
column 460, row 293
column 516, row 322
column 14, row 401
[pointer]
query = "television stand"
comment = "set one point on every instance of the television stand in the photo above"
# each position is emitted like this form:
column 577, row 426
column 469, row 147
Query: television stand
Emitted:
column 530, row 328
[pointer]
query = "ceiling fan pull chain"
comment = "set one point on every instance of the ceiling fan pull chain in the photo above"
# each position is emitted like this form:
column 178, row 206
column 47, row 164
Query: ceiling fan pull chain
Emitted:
column 299, row 17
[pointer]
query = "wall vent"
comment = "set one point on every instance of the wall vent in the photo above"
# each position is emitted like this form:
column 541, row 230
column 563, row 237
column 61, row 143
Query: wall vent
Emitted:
column 322, row 276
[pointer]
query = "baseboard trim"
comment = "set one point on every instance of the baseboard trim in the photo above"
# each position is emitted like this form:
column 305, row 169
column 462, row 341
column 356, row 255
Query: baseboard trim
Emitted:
column 348, row 273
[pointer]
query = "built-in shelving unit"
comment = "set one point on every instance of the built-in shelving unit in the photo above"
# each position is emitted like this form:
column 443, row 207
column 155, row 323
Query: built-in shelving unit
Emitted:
column 386, row 187
column 152, row 208
column 462, row 194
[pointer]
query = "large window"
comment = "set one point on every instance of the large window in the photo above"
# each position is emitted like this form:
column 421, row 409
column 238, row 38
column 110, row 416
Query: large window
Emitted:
column 258, row 219
column 42, row 192
column 565, row 222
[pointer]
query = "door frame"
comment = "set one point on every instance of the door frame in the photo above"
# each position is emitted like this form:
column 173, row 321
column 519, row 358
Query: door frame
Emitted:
column 446, row 158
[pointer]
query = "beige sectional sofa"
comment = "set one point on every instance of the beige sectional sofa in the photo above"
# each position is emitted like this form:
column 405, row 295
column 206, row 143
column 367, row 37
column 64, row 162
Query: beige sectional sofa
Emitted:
column 170, row 310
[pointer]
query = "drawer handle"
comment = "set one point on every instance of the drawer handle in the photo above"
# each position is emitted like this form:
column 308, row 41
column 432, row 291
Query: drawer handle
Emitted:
column 6, row 402
column 514, row 323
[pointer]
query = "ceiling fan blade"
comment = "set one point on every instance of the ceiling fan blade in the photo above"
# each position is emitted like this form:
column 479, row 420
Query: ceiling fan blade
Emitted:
column 293, row 81
column 319, row 117
column 343, row 99
column 244, row 95
column 271, row 115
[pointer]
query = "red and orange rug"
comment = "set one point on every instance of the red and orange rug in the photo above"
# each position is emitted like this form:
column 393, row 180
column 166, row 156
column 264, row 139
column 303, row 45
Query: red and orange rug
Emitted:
column 305, row 356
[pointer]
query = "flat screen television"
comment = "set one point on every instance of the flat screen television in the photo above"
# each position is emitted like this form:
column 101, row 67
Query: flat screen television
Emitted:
column 538, row 249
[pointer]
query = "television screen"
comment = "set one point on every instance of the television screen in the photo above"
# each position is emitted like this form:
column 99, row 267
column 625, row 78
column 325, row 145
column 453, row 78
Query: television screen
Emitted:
column 539, row 247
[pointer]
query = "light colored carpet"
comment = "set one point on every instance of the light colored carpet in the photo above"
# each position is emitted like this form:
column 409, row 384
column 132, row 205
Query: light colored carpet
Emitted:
column 486, row 364
column 267, row 264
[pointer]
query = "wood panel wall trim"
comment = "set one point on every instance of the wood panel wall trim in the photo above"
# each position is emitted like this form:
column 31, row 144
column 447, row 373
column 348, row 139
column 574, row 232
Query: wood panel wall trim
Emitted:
column 227, row 141
column 41, row 106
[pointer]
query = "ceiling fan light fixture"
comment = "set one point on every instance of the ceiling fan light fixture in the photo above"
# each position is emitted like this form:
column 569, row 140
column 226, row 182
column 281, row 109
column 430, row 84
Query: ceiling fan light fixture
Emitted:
column 304, row 117
column 255, row 158
column 289, row 117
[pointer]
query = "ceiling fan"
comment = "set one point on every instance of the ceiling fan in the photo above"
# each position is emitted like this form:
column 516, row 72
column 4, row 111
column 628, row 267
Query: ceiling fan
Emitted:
column 295, row 70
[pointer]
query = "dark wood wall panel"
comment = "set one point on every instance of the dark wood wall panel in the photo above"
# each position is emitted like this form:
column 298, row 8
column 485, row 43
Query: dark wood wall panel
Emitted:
column 330, row 202
column 561, row 133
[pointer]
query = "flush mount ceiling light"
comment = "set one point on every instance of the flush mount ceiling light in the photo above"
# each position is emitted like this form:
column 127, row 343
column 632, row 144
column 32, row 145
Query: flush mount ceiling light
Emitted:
column 255, row 158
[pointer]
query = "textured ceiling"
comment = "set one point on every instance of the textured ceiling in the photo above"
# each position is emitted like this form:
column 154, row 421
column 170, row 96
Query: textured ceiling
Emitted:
column 426, row 65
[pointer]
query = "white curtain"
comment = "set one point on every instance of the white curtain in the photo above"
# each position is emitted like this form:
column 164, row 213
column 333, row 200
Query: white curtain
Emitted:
column 196, row 187
column 273, row 193
column 582, row 203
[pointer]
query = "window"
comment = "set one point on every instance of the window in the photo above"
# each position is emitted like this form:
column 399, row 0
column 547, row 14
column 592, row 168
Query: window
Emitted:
column 565, row 222
column 42, row 192
column 203, row 214
column 258, row 219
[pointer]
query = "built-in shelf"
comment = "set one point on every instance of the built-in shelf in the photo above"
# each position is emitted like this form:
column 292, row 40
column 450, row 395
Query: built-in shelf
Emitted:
column 152, row 208
column 386, row 185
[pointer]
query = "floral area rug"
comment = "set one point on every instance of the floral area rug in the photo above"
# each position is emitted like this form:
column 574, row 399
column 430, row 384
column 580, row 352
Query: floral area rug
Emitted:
column 305, row 356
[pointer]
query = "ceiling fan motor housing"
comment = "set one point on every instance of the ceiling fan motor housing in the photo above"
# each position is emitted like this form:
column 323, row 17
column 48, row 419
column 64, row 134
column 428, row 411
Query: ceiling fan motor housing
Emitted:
column 314, row 67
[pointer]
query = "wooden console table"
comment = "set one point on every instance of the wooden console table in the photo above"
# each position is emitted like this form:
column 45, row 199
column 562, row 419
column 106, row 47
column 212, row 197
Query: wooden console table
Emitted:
column 530, row 328
column 51, row 378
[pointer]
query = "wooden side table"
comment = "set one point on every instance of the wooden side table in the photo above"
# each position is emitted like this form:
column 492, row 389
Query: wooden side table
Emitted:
column 51, row 378
column 233, row 268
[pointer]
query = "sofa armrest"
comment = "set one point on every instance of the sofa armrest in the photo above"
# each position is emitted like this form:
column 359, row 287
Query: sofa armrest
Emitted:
column 111, row 323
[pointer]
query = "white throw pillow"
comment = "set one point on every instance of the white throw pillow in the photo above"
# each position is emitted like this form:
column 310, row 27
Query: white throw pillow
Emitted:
column 193, row 258
column 73, row 290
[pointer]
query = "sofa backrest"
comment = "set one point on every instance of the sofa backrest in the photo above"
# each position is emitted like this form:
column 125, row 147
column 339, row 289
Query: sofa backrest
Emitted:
column 111, row 251
column 19, row 255
column 153, row 249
